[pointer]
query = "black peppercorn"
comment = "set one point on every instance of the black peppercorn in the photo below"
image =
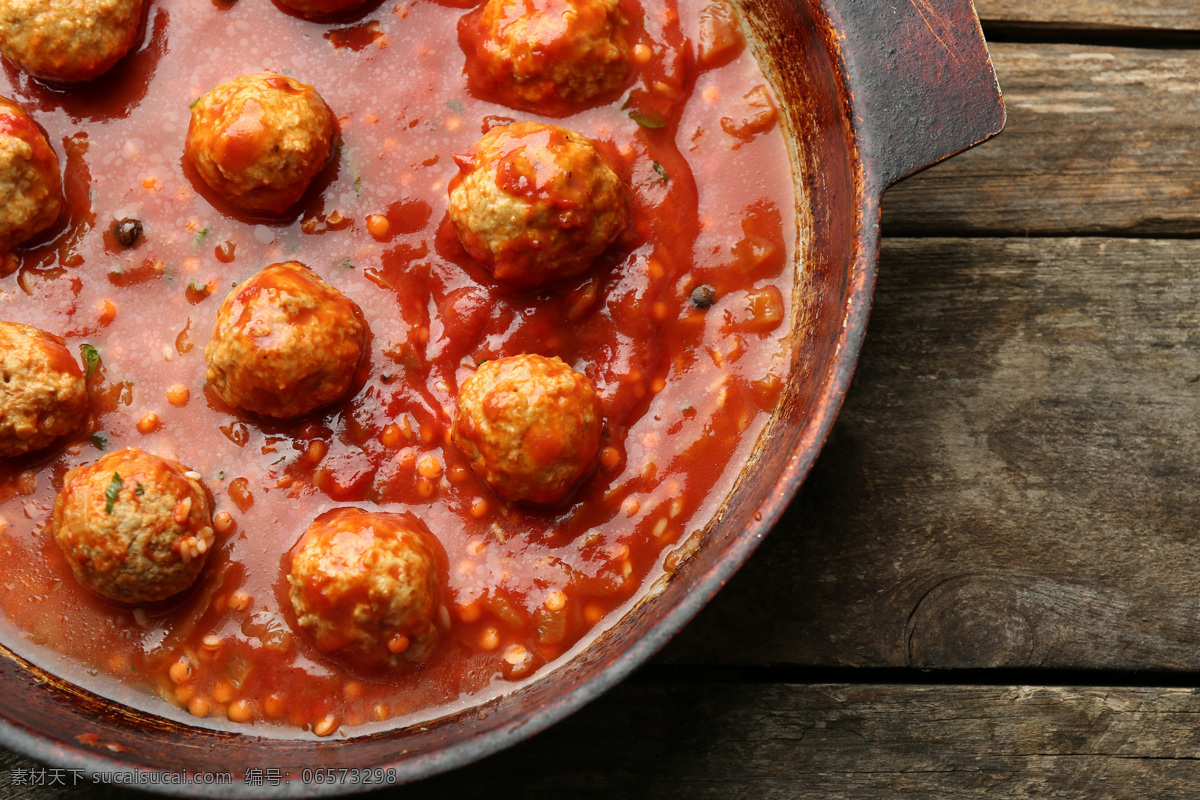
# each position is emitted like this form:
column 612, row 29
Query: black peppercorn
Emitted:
column 127, row 231
column 703, row 296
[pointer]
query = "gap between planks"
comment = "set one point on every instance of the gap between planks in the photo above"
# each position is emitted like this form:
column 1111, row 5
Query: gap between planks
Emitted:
column 664, row 673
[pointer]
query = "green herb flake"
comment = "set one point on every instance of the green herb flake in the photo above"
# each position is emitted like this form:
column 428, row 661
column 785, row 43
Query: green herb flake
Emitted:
column 221, row 475
column 193, row 103
column 658, row 170
column 628, row 102
column 141, row 490
column 653, row 120
column 456, row 106
column 347, row 263
column 91, row 359
column 200, row 234
column 110, row 494
column 99, row 441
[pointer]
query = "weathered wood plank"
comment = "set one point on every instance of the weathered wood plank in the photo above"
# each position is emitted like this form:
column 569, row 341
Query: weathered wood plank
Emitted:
column 1099, row 140
column 1165, row 14
column 1012, row 481
column 771, row 741
column 779, row 741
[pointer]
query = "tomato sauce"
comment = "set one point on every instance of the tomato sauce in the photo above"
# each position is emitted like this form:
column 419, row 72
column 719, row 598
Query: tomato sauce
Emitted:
column 681, row 326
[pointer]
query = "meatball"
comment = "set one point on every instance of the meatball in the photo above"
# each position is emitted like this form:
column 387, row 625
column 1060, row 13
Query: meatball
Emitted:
column 535, row 203
column 30, row 186
column 259, row 140
column 134, row 527
column 546, row 55
column 68, row 40
column 366, row 586
column 316, row 9
column 529, row 426
column 43, row 395
column 285, row 343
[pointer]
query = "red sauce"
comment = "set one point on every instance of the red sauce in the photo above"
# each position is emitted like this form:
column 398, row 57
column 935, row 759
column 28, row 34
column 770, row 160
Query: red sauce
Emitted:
column 685, row 391
column 237, row 148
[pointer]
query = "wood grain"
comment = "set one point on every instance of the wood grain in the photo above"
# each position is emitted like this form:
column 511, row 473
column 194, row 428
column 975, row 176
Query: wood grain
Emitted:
column 1165, row 14
column 778, row 742
column 1100, row 140
column 1011, row 482
column 763, row 742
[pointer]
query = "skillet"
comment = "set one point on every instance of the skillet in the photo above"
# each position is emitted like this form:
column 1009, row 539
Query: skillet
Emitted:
column 871, row 92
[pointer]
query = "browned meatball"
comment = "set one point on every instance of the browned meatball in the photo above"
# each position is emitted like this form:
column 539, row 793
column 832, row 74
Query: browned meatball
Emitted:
column 43, row 395
column 259, row 140
column 134, row 527
column 542, row 55
column 535, row 203
column 68, row 40
column 285, row 343
column 529, row 426
column 315, row 9
column 30, row 186
column 366, row 586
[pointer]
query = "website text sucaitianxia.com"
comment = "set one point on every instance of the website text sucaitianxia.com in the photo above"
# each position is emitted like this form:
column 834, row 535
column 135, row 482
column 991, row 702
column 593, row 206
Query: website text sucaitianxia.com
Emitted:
column 55, row 776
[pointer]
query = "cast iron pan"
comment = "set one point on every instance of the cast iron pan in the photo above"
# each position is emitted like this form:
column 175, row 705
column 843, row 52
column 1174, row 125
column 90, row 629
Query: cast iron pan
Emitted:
column 873, row 91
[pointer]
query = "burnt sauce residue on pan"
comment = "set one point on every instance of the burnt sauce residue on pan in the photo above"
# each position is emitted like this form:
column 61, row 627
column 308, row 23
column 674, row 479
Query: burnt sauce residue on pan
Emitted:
column 679, row 323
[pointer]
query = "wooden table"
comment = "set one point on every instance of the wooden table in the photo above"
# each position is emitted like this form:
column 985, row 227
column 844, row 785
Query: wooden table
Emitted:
column 990, row 585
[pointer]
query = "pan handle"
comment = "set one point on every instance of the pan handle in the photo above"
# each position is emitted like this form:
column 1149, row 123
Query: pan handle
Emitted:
column 921, row 83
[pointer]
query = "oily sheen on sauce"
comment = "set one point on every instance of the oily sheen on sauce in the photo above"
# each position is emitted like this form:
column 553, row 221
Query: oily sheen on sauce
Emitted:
column 686, row 385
